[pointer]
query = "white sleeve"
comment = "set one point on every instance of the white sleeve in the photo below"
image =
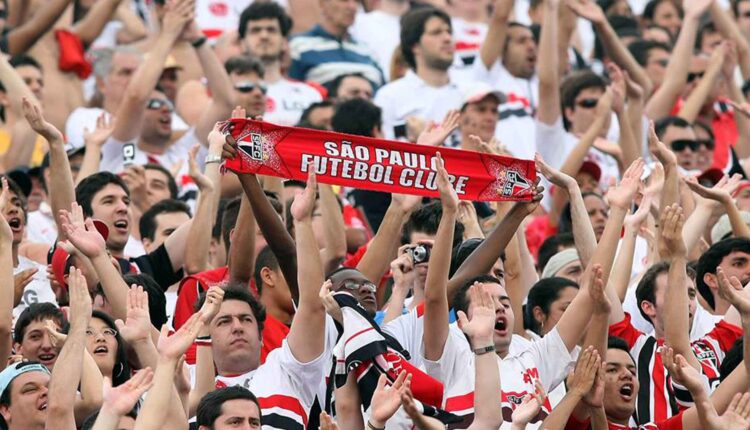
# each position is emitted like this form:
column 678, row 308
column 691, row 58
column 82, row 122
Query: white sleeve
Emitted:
column 304, row 377
column 550, row 142
column 384, row 102
column 112, row 159
column 482, row 73
column 551, row 371
column 404, row 329
column 456, row 355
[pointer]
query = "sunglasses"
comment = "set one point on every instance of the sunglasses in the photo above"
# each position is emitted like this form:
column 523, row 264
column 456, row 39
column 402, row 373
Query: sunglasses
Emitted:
column 693, row 76
column 587, row 103
column 356, row 285
column 247, row 87
column 156, row 104
column 709, row 144
column 681, row 145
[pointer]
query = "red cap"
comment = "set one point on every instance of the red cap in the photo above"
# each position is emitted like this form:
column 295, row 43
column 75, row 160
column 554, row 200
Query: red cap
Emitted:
column 743, row 184
column 592, row 169
column 59, row 261
column 712, row 175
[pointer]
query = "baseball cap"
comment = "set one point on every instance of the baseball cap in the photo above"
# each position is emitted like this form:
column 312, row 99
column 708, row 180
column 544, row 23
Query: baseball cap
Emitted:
column 710, row 177
column 17, row 369
column 558, row 261
column 60, row 257
column 477, row 91
column 592, row 169
column 742, row 185
column 723, row 227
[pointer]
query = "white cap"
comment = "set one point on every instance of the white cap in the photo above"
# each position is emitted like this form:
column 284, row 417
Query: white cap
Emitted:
column 476, row 91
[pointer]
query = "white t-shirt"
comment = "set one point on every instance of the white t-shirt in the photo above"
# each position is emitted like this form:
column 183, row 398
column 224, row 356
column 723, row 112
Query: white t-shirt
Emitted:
column 526, row 90
column 286, row 99
column 517, row 373
column 37, row 291
column 381, row 33
column 467, row 39
column 411, row 96
column 41, row 227
column 284, row 387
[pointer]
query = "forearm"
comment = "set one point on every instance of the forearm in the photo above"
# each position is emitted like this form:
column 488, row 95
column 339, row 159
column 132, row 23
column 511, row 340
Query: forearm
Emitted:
column 106, row 420
column 199, row 236
column 15, row 87
column 635, row 120
column 274, row 231
column 395, row 303
column 547, row 67
column 486, row 388
column 703, row 407
column 64, row 381
column 115, row 288
column 742, row 121
column 605, row 251
column 92, row 24
column 219, row 84
column 242, row 248
column 676, row 318
column 90, row 165
column 695, row 225
column 622, row 269
column 729, row 29
column 334, row 228
column 91, row 388
column 671, row 191
column 619, row 53
column 492, row 46
column 153, row 414
column 575, row 158
column 60, row 187
column 383, row 247
column 583, row 233
column 560, row 414
column 514, row 284
column 739, row 228
column 437, row 276
column 22, row 38
column 694, row 103
column 204, row 376
column 628, row 144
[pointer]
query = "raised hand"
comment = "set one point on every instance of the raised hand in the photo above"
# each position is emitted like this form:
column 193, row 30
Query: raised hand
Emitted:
column 605, row 104
column 594, row 279
column 554, row 176
column 214, row 297
column 655, row 181
column 595, row 397
column 406, row 202
column 135, row 177
column 80, row 300
column 172, row 347
column 420, row 421
column 584, row 375
column 493, row 147
column 435, row 134
column 33, row 114
column 304, row 203
column 680, row 371
column 671, row 244
column 239, row 113
column 203, row 182
column 721, row 192
column 105, row 125
column 216, row 139
column 619, row 86
column 529, row 207
column 658, row 149
column 737, row 415
column 731, row 290
column 482, row 324
column 587, row 9
column 329, row 303
column 387, row 400
column 83, row 235
column 636, row 219
column 327, row 423
column 57, row 339
column 448, row 196
column 137, row 325
column 120, row 400
column 696, row 8
column 530, row 405
column 622, row 195
column 179, row 14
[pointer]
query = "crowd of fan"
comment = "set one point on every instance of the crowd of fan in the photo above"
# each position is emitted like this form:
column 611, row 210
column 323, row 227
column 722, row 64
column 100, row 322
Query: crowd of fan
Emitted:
column 153, row 290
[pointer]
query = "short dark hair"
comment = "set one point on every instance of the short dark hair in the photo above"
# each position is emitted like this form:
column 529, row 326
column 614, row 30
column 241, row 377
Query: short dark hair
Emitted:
column 89, row 422
column 171, row 183
column 38, row 312
column 646, row 289
column 229, row 220
column 650, row 9
column 240, row 293
column 336, row 83
column 242, row 64
column 710, row 260
column 304, row 119
column 624, row 26
column 641, row 49
column 87, row 189
column 732, row 359
column 735, row 4
column 147, row 224
column 461, row 299
column 357, row 116
column 121, row 371
column 614, row 342
column 551, row 246
column 565, row 225
column 412, row 29
column 157, row 302
column 705, row 29
column 573, row 84
column 265, row 10
column 24, row 60
column 209, row 408
column 265, row 258
column 426, row 219
column 661, row 125
column 543, row 294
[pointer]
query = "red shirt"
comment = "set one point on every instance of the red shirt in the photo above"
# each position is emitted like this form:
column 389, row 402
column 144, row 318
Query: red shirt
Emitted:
column 274, row 333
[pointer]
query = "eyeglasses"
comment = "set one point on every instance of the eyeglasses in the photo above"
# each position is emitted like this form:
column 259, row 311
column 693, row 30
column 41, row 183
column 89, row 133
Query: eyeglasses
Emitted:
column 693, row 76
column 156, row 104
column 709, row 144
column 587, row 103
column 681, row 145
column 356, row 285
column 107, row 332
column 249, row 86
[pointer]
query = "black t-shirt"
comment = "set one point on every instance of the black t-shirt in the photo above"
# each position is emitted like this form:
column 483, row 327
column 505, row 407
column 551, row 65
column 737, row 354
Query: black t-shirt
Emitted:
column 157, row 264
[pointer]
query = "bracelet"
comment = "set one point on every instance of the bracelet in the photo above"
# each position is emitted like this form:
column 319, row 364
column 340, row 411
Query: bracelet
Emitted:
column 199, row 42
column 372, row 427
column 203, row 341
column 485, row 350
column 211, row 158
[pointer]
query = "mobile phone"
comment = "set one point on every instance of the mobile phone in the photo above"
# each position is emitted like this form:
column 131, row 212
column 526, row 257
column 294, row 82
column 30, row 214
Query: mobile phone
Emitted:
column 128, row 154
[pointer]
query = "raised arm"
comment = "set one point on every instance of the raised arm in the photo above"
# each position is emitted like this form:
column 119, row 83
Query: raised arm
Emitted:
column 307, row 334
column 730, row 30
column 549, row 77
column 667, row 158
column 435, row 295
column 629, row 144
column 587, row 368
column 613, row 45
column 700, row 94
column 93, row 140
column 21, row 38
column 23, row 139
column 67, row 373
column 334, row 228
column 60, row 186
column 722, row 193
column 622, row 270
column 6, row 277
column 131, row 112
column 494, row 42
column 92, row 24
column 120, row 400
column 675, row 76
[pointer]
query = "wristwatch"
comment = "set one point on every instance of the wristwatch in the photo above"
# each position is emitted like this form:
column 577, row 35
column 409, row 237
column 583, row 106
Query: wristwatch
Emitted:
column 199, row 42
column 485, row 350
column 211, row 158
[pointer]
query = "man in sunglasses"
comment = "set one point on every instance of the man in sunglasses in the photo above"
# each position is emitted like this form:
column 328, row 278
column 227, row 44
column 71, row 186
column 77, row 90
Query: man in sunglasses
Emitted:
column 679, row 135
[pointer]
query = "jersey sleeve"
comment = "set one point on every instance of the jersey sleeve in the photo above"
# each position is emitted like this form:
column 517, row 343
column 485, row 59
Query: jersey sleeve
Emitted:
column 551, row 372
column 404, row 329
column 625, row 330
column 305, row 378
column 550, row 142
column 712, row 348
column 452, row 364
column 159, row 266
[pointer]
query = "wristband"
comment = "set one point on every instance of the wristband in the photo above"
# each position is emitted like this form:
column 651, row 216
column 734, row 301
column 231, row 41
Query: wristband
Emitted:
column 203, row 341
column 211, row 158
column 372, row 427
column 485, row 350
column 199, row 42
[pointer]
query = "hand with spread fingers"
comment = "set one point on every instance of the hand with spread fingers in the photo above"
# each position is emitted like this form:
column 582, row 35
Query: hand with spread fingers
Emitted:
column 671, row 244
column 731, row 290
column 387, row 399
column 435, row 134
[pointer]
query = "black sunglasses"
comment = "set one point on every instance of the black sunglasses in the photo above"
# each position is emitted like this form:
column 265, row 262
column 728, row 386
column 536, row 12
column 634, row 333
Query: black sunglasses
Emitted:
column 156, row 104
column 587, row 103
column 693, row 76
column 247, row 87
column 682, row 144
column 709, row 144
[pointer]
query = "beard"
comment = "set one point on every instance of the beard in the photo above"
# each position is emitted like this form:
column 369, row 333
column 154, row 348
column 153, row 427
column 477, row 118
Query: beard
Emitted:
column 438, row 63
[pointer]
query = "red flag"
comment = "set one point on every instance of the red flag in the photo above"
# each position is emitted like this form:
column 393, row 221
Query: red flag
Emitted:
column 375, row 164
